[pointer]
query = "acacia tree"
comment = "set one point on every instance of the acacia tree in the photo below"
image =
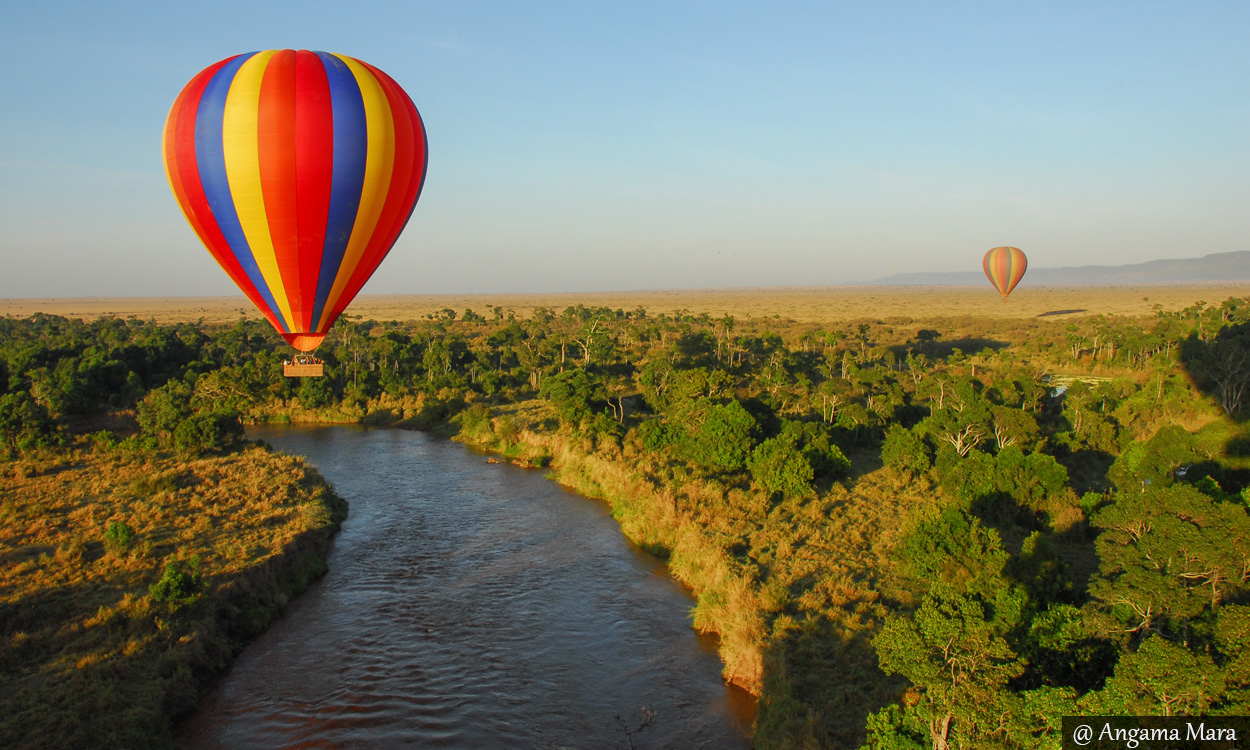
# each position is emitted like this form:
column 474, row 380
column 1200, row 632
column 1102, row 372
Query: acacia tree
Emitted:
column 1160, row 677
column 954, row 653
column 1169, row 555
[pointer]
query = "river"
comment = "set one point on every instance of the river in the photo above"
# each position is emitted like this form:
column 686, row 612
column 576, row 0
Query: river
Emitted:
column 470, row 605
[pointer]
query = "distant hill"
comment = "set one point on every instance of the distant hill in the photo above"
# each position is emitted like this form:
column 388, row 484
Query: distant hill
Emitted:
column 1214, row 267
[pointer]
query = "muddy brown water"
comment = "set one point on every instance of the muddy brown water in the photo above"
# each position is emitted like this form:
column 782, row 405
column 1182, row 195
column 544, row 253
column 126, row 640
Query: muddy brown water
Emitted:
column 470, row 605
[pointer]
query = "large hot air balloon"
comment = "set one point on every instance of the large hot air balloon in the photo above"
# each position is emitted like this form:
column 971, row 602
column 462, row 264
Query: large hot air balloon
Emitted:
column 1005, row 266
column 298, row 171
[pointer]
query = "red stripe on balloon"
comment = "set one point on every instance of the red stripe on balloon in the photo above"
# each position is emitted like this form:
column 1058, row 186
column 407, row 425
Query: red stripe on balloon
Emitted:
column 185, row 176
column 275, row 150
column 314, row 171
column 416, row 179
column 407, row 176
column 180, row 163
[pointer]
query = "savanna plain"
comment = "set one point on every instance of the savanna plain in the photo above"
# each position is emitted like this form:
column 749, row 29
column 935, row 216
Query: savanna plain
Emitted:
column 915, row 517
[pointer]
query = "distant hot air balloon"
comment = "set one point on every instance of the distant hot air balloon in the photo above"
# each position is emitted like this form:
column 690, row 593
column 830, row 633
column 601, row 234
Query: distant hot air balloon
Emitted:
column 1005, row 266
column 298, row 171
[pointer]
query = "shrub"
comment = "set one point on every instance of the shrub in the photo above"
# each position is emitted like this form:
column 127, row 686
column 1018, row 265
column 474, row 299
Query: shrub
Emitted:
column 720, row 436
column 214, row 431
column 777, row 465
column 118, row 538
column 25, row 423
column 176, row 584
column 476, row 418
column 655, row 435
column 905, row 453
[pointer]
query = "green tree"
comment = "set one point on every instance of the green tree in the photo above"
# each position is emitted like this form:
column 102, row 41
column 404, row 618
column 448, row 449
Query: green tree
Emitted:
column 1232, row 636
column 955, row 550
column 718, row 437
column 315, row 393
column 777, row 465
column 208, row 432
column 1155, row 462
column 1160, row 677
column 904, row 452
column 954, row 654
column 576, row 395
column 163, row 409
column 1168, row 555
column 25, row 423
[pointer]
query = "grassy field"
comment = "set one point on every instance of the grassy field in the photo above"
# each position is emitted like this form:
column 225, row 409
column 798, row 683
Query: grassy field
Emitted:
column 802, row 304
column 108, row 634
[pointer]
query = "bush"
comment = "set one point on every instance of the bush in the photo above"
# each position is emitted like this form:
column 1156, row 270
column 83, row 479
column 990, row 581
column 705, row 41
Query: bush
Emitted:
column 26, row 424
column 905, row 453
column 118, row 538
column 777, row 465
column 476, row 418
column 829, row 462
column 203, row 432
column 655, row 435
column 177, row 584
column 720, row 436
column 815, row 440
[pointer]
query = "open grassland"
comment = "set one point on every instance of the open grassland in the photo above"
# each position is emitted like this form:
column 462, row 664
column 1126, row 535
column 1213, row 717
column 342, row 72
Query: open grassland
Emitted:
column 802, row 304
column 91, row 653
column 833, row 472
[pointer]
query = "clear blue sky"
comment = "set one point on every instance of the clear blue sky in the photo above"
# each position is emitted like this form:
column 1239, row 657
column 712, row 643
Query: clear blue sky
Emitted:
column 580, row 146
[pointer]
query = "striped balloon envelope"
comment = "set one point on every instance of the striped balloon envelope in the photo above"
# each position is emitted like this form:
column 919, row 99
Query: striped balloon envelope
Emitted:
column 1005, row 266
column 298, row 170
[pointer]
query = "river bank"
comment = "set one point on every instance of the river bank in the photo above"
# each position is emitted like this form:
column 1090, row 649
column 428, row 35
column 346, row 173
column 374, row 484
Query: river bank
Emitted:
column 132, row 578
column 469, row 605
column 792, row 589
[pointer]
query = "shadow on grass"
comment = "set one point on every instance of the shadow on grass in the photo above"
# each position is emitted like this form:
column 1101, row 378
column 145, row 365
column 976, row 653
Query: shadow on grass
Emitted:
column 942, row 350
column 820, row 685
column 1220, row 367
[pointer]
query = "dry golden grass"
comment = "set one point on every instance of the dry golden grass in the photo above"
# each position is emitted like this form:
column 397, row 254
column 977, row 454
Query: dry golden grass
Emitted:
column 804, row 304
column 87, row 657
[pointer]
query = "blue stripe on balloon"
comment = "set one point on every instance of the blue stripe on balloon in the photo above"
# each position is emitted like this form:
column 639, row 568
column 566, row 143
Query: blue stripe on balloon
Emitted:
column 351, row 136
column 212, row 165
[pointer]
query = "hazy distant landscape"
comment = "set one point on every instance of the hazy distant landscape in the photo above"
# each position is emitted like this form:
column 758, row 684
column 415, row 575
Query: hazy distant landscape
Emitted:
column 1213, row 268
column 802, row 304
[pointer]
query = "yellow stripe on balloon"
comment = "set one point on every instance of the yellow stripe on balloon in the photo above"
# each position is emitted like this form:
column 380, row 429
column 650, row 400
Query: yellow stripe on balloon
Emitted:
column 240, row 147
column 379, row 162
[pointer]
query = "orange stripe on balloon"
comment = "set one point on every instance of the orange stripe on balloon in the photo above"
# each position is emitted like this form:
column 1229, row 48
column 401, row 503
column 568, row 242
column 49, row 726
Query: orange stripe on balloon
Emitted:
column 275, row 148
